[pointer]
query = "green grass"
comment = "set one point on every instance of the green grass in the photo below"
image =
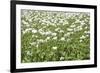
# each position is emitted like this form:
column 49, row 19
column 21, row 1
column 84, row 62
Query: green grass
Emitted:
column 54, row 36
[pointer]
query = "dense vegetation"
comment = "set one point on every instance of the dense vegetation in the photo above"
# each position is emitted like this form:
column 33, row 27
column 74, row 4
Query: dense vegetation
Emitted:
column 54, row 36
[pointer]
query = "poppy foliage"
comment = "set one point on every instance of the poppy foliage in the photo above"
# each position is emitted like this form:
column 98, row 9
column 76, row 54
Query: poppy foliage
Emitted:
column 54, row 36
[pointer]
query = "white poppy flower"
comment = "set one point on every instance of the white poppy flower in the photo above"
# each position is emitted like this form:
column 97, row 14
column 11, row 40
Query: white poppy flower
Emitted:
column 48, row 33
column 80, row 28
column 54, row 34
column 86, row 32
column 82, row 37
column 29, row 53
column 69, row 29
column 47, row 38
column 71, row 32
column 24, row 22
column 30, row 20
column 86, row 27
column 33, row 43
column 52, row 24
column 62, row 39
column 61, row 31
column 40, row 30
column 24, row 32
column 34, row 31
column 54, row 48
column 57, row 29
column 44, row 21
column 52, row 20
column 36, row 36
column 61, row 58
column 27, row 30
column 54, row 38
column 66, row 22
column 77, row 21
column 61, row 21
column 37, row 45
column 68, row 34
column 40, row 40
column 72, row 26
column 82, row 23
column 87, row 35
column 80, row 40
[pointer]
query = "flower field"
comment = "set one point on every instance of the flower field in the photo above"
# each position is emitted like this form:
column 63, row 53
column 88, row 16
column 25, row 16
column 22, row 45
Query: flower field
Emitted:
column 54, row 36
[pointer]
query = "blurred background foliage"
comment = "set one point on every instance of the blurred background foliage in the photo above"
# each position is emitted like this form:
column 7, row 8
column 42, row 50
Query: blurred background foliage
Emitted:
column 54, row 36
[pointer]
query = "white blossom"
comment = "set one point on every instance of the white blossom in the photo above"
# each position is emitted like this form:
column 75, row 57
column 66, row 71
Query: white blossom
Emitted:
column 67, row 34
column 57, row 29
column 44, row 21
column 46, row 33
column 69, row 29
column 24, row 22
column 87, row 35
column 29, row 53
column 86, row 32
column 54, row 38
column 82, row 23
column 77, row 21
column 61, row 58
column 40, row 40
column 34, row 31
column 52, row 24
column 71, row 32
column 72, row 26
column 54, row 48
column 66, row 22
column 37, row 45
column 61, row 31
column 80, row 28
column 47, row 38
column 82, row 37
column 62, row 39
column 80, row 40
column 61, row 21
column 33, row 43
column 86, row 27
column 25, row 31
column 36, row 36
column 52, row 20
column 54, row 34
column 30, row 20
column 40, row 30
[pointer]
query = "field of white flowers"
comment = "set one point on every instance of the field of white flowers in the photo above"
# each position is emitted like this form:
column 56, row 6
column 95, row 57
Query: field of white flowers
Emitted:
column 54, row 36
